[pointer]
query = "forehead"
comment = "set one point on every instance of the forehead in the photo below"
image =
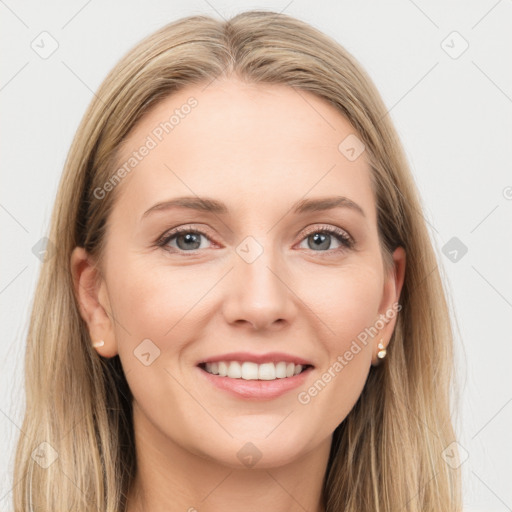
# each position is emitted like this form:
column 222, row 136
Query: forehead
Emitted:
column 241, row 143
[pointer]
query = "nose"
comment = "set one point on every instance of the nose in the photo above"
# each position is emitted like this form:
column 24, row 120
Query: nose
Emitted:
column 258, row 293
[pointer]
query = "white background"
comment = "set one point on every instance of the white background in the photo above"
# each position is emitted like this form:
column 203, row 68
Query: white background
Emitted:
column 452, row 114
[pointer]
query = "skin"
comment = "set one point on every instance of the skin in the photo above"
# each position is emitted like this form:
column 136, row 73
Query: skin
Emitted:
column 257, row 148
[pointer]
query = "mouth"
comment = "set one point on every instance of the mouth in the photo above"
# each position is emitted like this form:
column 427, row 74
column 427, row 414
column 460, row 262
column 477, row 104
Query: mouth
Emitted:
column 249, row 380
column 248, row 370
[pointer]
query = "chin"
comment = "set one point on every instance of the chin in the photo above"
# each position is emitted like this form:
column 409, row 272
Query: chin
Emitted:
column 257, row 452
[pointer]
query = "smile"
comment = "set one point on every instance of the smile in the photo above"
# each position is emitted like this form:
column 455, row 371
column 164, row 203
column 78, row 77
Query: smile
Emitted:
column 245, row 378
column 248, row 370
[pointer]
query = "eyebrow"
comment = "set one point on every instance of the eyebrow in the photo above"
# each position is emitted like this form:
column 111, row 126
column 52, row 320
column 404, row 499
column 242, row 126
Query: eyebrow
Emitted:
column 206, row 204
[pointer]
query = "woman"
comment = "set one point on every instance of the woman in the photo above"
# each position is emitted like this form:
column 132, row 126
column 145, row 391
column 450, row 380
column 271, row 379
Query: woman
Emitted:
column 299, row 357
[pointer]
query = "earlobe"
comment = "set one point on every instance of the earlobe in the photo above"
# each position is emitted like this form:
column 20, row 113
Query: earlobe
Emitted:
column 390, row 303
column 89, row 291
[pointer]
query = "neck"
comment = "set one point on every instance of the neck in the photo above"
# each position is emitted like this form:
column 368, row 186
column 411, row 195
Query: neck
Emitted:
column 171, row 478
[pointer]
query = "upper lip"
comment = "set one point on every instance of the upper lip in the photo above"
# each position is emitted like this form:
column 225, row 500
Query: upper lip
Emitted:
column 269, row 357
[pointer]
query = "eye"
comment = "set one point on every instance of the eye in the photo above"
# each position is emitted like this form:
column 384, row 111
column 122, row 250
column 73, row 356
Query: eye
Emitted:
column 186, row 238
column 321, row 238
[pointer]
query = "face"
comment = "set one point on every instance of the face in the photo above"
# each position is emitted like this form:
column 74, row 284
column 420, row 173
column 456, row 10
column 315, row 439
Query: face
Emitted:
column 260, row 274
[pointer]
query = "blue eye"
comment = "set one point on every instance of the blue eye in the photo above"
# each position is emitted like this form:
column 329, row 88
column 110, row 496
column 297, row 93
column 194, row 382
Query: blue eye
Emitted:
column 320, row 240
column 188, row 239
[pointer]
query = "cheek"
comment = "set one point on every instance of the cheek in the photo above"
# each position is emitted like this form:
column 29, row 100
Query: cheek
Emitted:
column 347, row 301
column 150, row 301
column 155, row 308
column 349, row 307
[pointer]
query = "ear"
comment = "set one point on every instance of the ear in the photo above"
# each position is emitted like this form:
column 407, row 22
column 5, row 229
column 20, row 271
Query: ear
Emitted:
column 91, row 294
column 388, row 311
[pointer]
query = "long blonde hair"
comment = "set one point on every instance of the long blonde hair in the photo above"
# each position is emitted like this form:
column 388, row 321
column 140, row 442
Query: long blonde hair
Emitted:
column 387, row 455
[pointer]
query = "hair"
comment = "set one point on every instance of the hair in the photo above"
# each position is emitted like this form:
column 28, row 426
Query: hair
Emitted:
column 387, row 454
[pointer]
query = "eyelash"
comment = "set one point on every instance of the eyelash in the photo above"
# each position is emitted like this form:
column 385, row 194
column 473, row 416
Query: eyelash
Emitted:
column 346, row 241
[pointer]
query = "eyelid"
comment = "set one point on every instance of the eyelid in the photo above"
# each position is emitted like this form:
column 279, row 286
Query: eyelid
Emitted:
column 171, row 233
column 318, row 228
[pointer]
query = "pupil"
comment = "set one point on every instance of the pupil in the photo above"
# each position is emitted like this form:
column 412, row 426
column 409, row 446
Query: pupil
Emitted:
column 189, row 237
column 319, row 239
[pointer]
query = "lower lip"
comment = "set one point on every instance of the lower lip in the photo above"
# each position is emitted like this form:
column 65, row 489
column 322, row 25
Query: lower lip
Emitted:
column 256, row 389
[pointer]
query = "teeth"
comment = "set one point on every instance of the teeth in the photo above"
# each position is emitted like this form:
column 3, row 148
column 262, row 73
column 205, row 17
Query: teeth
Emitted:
column 249, row 371
column 252, row 371
column 281, row 370
column 234, row 370
column 223, row 368
column 267, row 371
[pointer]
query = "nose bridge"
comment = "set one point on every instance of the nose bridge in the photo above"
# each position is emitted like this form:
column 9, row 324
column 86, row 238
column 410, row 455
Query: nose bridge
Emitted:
column 257, row 291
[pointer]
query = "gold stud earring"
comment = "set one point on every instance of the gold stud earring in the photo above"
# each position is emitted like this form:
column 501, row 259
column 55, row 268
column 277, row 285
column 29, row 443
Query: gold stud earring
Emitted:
column 382, row 351
column 99, row 344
